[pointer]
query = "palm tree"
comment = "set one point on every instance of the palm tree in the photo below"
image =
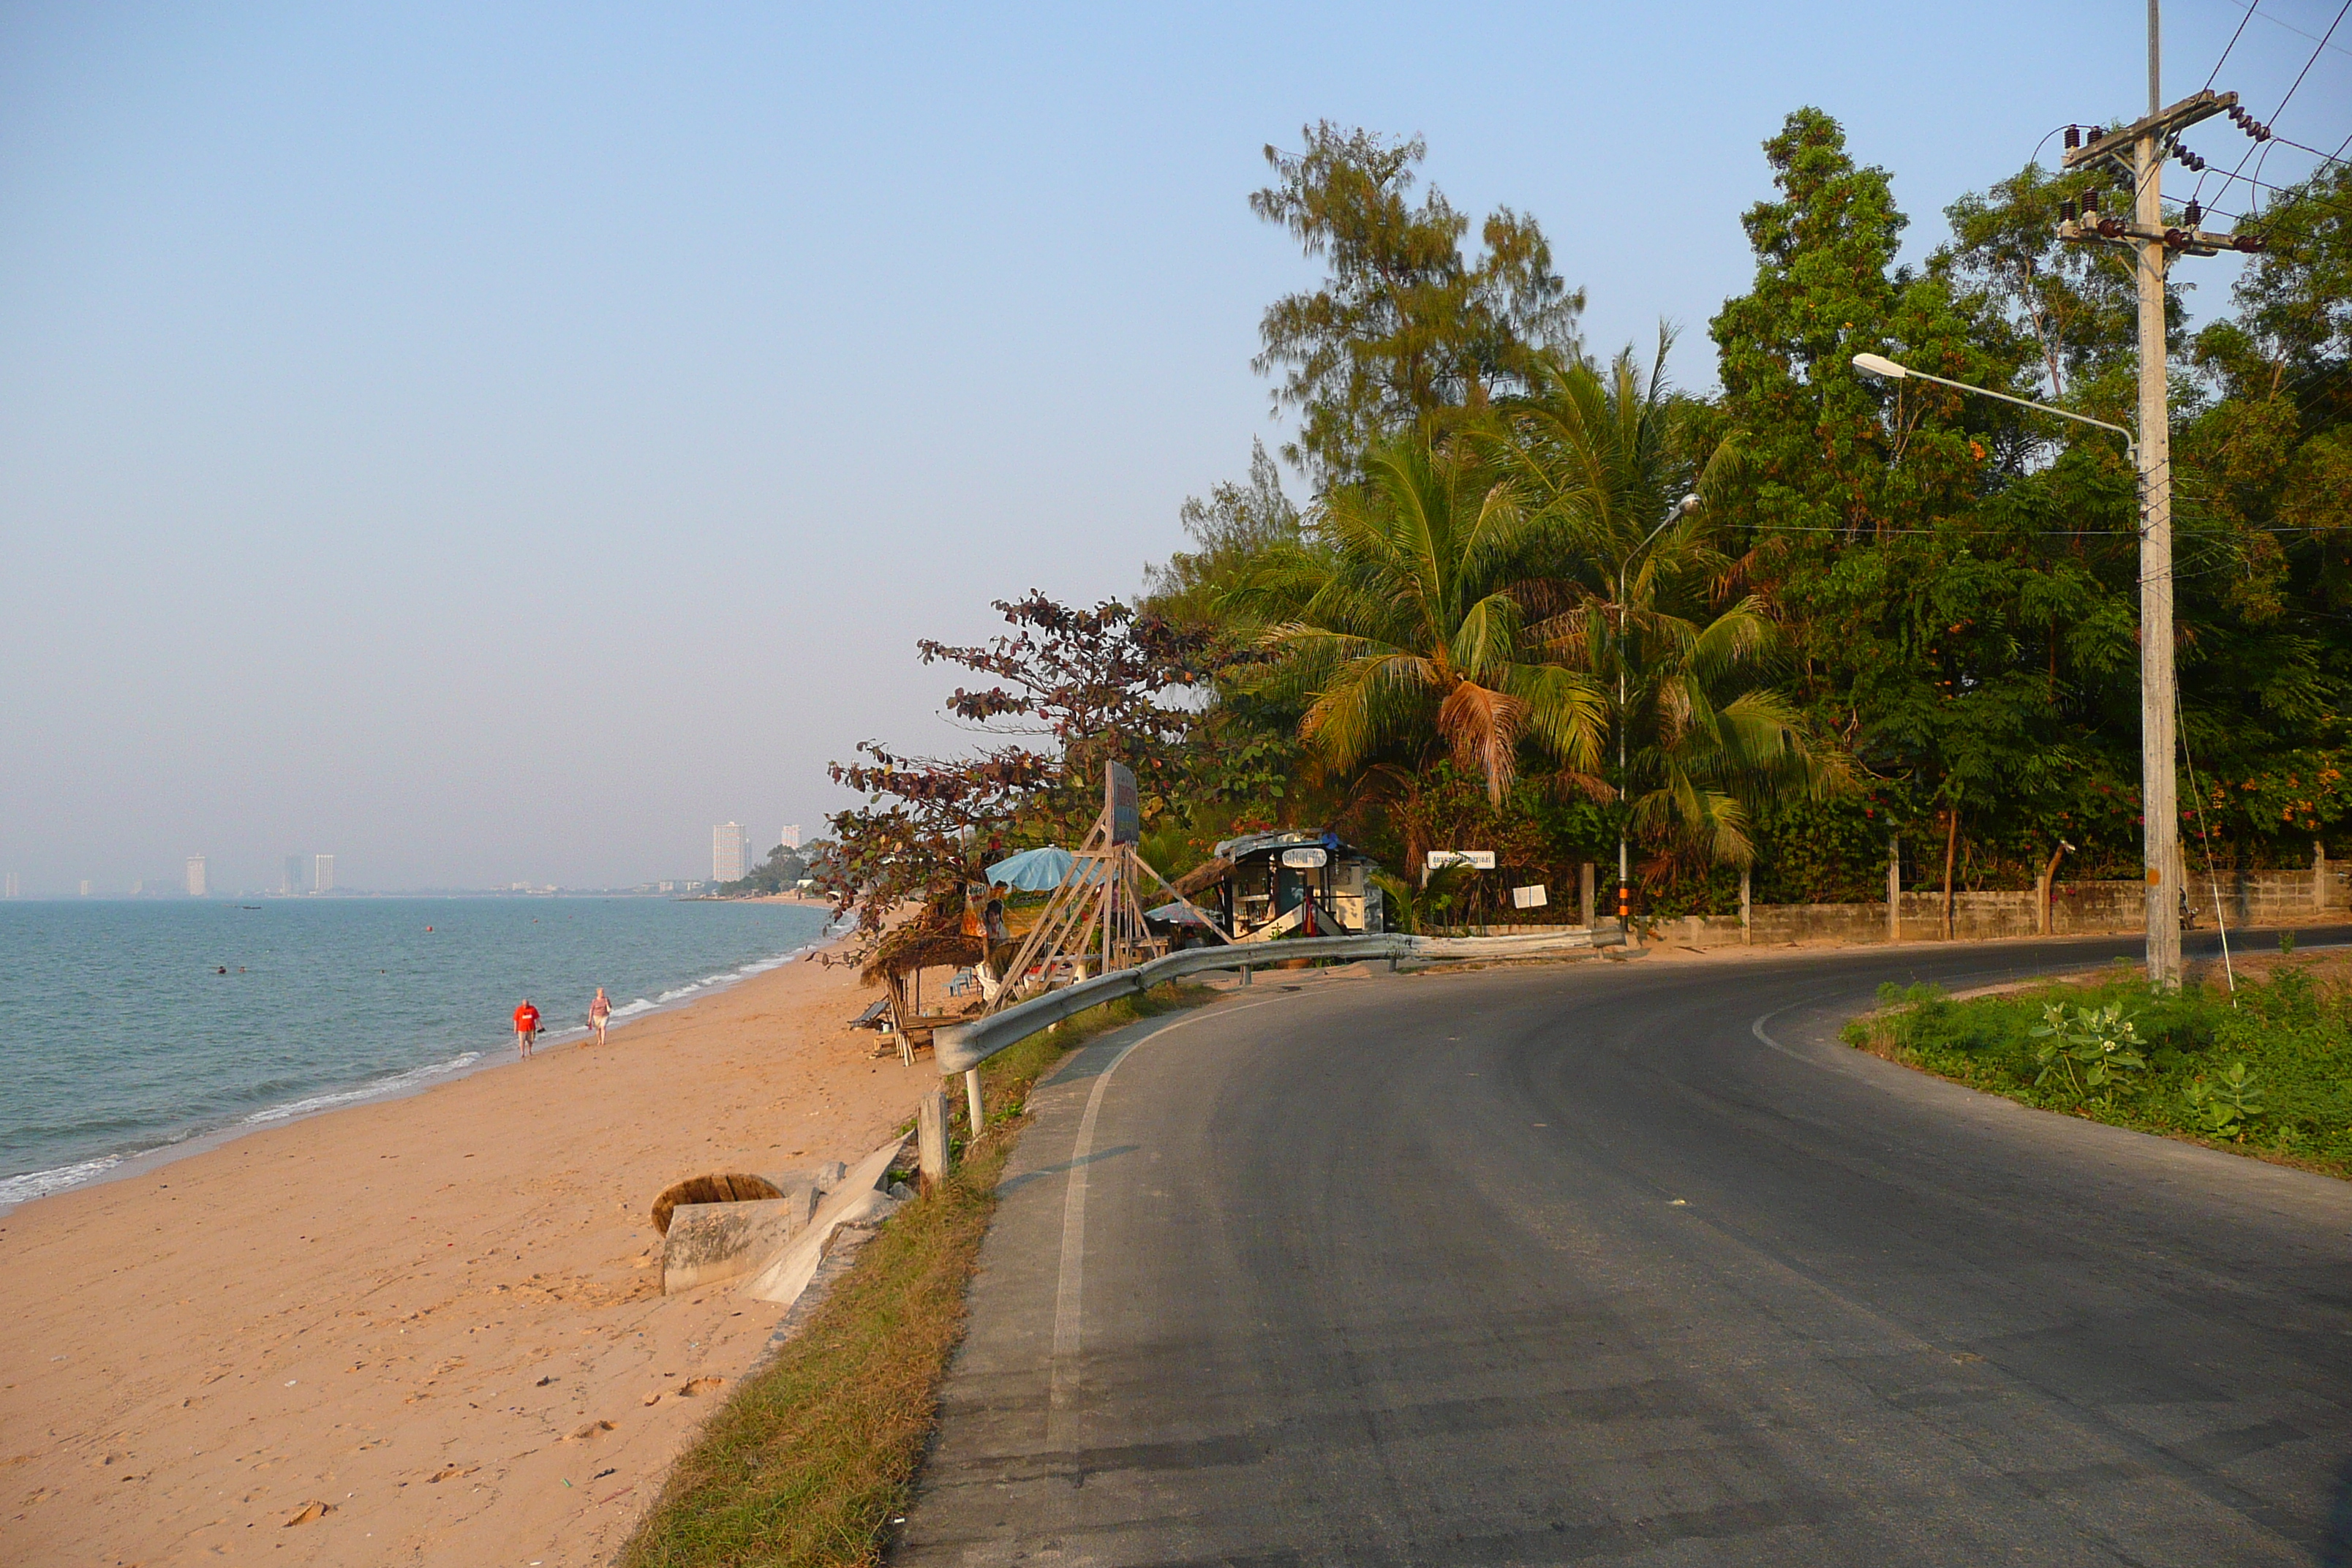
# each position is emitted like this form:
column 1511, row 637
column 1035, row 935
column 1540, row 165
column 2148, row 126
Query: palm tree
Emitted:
column 1635, row 598
column 1403, row 630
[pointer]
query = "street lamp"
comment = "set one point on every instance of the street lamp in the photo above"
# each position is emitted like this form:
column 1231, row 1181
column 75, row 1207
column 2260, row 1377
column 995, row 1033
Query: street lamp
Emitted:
column 2158, row 814
column 1674, row 514
column 1885, row 369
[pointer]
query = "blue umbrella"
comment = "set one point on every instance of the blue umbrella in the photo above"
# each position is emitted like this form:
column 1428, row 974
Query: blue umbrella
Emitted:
column 1035, row 870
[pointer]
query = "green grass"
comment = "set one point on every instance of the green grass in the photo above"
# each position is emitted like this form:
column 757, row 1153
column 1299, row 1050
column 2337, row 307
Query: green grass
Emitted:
column 817, row 1450
column 2291, row 1030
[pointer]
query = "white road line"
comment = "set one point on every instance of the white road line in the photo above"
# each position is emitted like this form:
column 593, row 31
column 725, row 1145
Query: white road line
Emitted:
column 1070, row 1290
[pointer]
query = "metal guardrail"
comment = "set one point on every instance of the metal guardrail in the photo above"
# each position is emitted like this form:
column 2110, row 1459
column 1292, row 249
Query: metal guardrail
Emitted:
column 961, row 1046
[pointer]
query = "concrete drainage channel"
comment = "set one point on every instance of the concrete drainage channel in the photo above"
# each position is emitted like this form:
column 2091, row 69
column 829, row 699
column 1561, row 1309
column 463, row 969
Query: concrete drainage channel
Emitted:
column 773, row 1232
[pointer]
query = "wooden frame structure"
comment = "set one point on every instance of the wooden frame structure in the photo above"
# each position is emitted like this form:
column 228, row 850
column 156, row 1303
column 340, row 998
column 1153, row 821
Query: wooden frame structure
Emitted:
column 1096, row 915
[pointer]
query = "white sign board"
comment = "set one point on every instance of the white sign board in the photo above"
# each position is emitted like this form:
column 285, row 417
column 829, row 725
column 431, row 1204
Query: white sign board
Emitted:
column 1306, row 858
column 1476, row 859
column 1533, row 898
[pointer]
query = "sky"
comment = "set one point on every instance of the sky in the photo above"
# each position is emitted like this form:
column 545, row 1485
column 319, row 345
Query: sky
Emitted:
column 498, row 443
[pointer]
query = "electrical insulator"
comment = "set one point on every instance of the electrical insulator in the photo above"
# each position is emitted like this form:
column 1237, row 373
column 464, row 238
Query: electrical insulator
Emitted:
column 2074, row 137
column 2065, row 212
column 2091, row 204
column 2194, row 216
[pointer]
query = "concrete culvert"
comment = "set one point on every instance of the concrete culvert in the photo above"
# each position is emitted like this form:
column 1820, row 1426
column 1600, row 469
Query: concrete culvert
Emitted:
column 732, row 1188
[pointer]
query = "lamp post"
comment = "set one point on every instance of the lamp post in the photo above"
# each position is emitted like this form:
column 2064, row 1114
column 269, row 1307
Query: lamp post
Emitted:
column 2158, row 814
column 1884, row 369
column 1674, row 514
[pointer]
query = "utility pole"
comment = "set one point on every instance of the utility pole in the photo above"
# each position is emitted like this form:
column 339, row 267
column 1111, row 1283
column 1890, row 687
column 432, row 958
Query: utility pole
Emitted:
column 2139, row 152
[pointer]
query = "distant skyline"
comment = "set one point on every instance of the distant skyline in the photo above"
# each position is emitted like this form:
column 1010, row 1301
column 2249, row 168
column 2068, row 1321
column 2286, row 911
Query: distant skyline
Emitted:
column 501, row 442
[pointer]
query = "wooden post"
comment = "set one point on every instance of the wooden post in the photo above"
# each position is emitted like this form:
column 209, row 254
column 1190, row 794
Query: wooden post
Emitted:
column 1584, row 879
column 1747, row 925
column 1951, row 849
column 2042, row 902
column 1894, row 888
column 2319, row 876
column 931, row 1138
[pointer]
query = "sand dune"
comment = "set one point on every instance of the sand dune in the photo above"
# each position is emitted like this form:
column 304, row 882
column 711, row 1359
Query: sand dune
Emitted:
column 430, row 1331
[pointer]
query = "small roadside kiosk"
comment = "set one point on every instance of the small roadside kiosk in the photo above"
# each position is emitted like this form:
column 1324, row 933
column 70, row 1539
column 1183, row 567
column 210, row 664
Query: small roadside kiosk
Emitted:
column 1307, row 880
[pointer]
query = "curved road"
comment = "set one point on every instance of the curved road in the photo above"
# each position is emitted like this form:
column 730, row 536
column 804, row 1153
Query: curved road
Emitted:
column 1628, row 1262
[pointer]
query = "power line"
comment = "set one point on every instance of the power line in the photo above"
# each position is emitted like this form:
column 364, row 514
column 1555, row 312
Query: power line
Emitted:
column 2291, row 27
column 2284, row 101
column 2289, row 142
column 1995, row 532
column 2232, row 44
column 2311, row 62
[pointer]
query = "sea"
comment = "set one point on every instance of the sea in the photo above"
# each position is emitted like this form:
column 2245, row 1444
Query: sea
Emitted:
column 134, row 1027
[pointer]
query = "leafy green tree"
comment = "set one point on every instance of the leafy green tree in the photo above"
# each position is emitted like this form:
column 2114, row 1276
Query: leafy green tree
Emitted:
column 1951, row 663
column 2293, row 325
column 2264, row 498
column 1825, row 450
column 1404, row 329
column 2068, row 314
column 780, row 873
column 1230, row 529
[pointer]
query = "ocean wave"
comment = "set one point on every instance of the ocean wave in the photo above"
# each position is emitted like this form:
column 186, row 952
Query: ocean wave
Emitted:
column 393, row 1084
column 34, row 1184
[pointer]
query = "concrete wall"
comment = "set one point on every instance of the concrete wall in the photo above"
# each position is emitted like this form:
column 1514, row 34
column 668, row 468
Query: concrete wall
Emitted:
column 2077, row 909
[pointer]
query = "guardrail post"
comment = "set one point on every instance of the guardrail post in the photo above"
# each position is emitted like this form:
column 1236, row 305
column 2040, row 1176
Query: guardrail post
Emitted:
column 971, row 1098
column 931, row 1138
column 1246, row 974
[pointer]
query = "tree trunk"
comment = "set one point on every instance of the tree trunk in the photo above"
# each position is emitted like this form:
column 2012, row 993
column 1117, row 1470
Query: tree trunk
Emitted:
column 1951, row 851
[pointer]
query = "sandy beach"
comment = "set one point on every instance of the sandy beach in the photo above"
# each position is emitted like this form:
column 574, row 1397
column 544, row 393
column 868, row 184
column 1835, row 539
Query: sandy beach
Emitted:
column 439, row 1319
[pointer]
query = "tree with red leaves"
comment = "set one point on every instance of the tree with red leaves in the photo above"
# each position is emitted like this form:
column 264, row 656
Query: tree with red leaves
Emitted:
column 1082, row 687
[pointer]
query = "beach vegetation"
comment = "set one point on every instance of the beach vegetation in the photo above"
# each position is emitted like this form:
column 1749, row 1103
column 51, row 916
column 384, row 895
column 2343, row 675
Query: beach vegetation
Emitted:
column 2266, row 1070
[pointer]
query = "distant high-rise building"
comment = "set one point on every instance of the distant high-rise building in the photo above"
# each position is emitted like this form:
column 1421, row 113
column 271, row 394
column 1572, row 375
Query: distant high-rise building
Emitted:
column 791, row 838
column 729, row 848
column 13, row 891
column 291, row 878
column 195, row 876
column 322, row 873
column 85, row 887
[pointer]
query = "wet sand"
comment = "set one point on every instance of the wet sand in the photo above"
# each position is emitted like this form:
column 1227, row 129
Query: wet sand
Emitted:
column 439, row 1317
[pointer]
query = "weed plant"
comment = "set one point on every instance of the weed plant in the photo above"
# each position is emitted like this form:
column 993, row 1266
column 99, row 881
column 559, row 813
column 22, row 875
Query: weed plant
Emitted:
column 2271, row 1074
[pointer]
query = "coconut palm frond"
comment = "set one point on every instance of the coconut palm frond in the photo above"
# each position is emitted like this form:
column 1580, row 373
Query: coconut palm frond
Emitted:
column 1363, row 702
column 1482, row 726
column 1567, row 715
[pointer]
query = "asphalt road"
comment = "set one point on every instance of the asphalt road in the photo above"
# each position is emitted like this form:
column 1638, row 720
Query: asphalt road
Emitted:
column 1628, row 1262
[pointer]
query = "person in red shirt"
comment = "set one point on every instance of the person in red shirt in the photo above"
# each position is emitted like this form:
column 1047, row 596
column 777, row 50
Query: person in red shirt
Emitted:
column 525, row 1023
